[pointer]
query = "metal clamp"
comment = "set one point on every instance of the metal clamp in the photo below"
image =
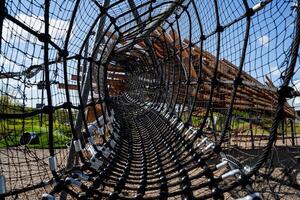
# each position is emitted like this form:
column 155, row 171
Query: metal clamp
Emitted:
column 260, row 5
column 180, row 126
column 2, row 185
column 208, row 147
column 52, row 163
column 112, row 143
column 82, row 176
column 91, row 140
column 230, row 173
column 73, row 181
column 192, row 134
column 95, row 163
column 252, row 196
column 77, row 145
column 46, row 196
column 222, row 164
column 188, row 131
column 202, row 142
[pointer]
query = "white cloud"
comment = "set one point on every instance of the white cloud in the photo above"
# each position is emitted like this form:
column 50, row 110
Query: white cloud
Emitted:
column 57, row 27
column 10, row 66
column 17, row 37
column 295, row 102
column 263, row 40
column 275, row 71
column 5, row 62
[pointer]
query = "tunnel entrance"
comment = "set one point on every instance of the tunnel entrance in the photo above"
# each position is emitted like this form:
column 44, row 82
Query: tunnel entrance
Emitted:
column 178, row 99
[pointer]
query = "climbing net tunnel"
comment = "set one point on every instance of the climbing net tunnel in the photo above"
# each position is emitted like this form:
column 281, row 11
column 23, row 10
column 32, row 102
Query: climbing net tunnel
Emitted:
column 127, row 99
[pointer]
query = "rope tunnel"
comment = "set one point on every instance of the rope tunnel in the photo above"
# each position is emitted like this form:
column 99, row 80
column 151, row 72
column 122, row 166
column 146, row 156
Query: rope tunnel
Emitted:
column 136, row 99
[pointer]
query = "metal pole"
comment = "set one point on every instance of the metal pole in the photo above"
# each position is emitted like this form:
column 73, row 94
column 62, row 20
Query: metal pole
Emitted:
column 282, row 130
column 85, row 91
column 2, row 16
column 152, row 26
column 2, row 186
column 148, row 40
column 292, row 122
column 84, row 94
column 85, row 62
column 252, row 137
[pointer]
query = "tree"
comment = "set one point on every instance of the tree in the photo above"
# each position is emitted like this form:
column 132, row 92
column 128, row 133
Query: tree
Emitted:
column 7, row 104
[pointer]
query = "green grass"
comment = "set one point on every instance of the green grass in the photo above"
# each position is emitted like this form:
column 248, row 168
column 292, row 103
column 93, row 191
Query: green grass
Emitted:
column 12, row 130
column 241, row 125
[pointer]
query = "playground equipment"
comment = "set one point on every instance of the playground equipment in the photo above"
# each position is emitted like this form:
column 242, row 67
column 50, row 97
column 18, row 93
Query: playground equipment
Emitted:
column 177, row 99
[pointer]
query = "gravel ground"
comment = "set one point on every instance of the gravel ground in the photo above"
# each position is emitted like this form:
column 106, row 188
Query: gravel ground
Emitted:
column 23, row 167
column 26, row 167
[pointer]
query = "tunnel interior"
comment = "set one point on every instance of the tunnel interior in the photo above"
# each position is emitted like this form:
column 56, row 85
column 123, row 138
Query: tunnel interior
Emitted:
column 177, row 99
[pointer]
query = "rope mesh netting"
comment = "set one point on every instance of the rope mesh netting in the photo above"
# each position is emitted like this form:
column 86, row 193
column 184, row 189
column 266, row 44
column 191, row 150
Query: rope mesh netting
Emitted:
column 178, row 99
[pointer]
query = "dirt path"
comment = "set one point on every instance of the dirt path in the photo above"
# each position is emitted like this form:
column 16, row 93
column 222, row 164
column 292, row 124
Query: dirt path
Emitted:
column 27, row 167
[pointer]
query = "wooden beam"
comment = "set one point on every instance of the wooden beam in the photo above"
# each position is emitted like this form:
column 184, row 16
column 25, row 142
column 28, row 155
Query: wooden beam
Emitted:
column 70, row 86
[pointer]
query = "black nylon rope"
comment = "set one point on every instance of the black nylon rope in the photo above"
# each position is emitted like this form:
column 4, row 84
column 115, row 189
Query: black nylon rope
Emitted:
column 149, row 99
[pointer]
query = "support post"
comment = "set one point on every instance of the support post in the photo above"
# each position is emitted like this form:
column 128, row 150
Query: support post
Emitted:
column 84, row 94
column 85, row 91
column 152, row 26
column 292, row 123
column 282, row 130
column 252, row 136
column 2, row 16
column 2, row 187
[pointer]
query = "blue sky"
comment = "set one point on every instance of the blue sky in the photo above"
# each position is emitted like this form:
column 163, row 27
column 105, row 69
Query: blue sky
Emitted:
column 268, row 40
